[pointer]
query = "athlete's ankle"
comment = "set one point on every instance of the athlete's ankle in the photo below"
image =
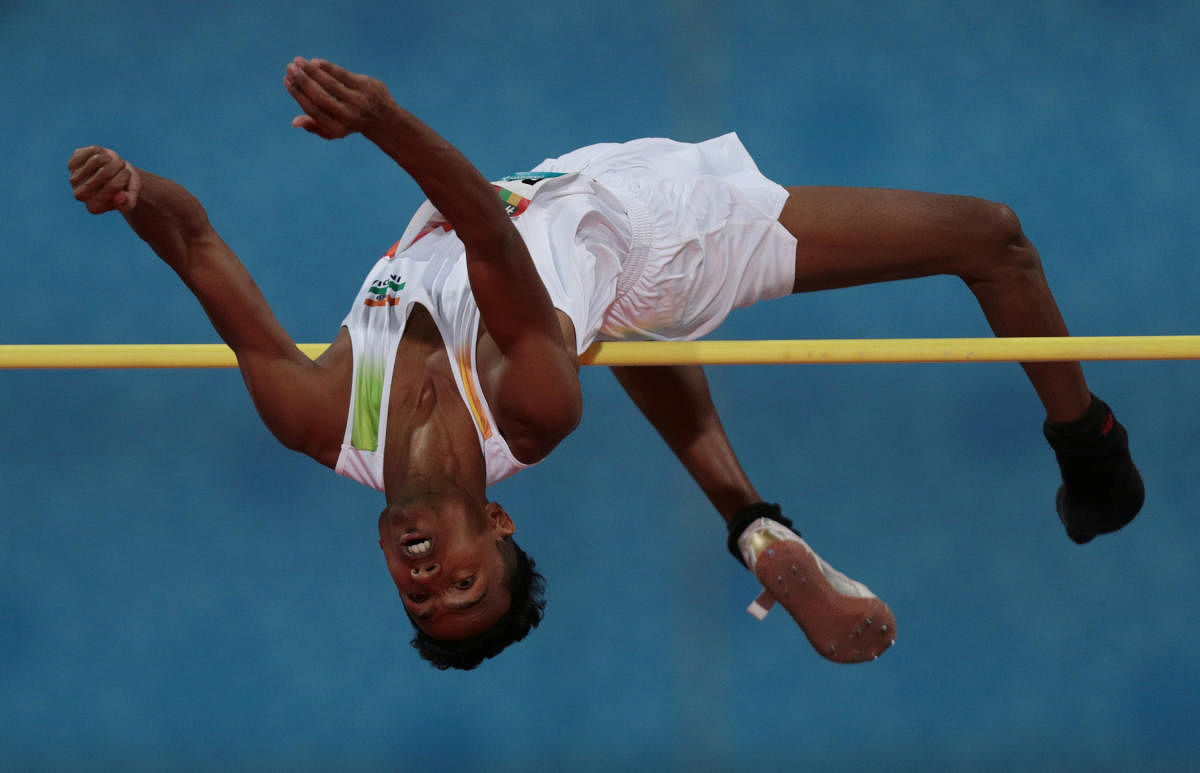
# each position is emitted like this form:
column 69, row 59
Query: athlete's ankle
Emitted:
column 744, row 518
column 1086, row 431
column 1102, row 489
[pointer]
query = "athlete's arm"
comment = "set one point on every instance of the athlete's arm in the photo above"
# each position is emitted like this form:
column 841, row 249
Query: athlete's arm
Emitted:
column 301, row 401
column 677, row 402
column 536, row 392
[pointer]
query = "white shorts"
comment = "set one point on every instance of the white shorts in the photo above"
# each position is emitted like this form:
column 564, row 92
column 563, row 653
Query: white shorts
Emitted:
column 705, row 222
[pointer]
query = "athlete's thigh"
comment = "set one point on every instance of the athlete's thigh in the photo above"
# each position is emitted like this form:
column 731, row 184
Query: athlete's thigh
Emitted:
column 854, row 236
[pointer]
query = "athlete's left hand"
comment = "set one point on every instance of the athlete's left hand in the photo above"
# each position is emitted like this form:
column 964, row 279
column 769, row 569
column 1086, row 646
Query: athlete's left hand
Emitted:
column 336, row 102
column 103, row 181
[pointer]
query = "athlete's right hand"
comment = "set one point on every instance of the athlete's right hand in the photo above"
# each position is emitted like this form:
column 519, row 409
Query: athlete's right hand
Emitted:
column 103, row 181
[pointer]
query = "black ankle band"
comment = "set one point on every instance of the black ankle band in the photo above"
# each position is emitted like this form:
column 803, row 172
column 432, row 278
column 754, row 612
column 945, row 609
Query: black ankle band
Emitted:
column 748, row 515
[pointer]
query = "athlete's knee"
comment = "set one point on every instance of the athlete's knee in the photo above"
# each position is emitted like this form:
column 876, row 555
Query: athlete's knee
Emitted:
column 1002, row 250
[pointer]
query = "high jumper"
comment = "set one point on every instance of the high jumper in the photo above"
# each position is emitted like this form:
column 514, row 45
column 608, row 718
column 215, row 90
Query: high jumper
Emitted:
column 458, row 364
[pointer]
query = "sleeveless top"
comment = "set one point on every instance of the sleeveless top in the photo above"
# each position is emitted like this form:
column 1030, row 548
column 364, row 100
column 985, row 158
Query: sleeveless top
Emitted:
column 578, row 236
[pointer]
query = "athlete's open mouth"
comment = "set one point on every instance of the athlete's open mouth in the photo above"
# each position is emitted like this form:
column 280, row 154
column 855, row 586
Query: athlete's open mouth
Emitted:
column 416, row 546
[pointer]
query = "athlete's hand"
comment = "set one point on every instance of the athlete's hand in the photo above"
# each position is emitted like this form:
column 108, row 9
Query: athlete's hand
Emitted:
column 103, row 180
column 335, row 101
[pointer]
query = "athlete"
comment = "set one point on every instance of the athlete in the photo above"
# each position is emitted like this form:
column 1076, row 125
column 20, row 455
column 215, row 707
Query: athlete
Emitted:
column 458, row 364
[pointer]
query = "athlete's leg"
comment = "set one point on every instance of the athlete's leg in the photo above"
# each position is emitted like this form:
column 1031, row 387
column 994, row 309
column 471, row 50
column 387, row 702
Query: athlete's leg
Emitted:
column 849, row 236
column 854, row 236
column 842, row 619
column 677, row 402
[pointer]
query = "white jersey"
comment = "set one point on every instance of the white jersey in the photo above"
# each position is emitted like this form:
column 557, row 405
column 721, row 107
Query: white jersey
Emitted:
column 428, row 267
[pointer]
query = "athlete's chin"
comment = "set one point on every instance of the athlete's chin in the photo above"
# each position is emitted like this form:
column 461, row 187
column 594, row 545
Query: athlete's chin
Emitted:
column 395, row 520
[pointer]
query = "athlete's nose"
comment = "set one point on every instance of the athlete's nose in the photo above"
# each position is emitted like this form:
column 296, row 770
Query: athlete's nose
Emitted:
column 426, row 572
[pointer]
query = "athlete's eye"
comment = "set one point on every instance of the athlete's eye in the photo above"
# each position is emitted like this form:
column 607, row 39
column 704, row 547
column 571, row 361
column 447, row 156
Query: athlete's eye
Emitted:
column 465, row 583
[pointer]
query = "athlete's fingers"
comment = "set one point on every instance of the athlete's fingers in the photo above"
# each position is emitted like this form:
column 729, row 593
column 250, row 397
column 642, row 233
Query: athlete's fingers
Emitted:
column 315, row 112
column 340, row 90
column 85, row 163
column 98, row 179
column 105, row 196
column 127, row 199
column 307, row 123
column 348, row 79
column 81, row 157
column 312, row 93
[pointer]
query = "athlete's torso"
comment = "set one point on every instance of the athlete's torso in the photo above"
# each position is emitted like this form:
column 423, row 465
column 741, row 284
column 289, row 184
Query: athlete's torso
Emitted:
column 428, row 276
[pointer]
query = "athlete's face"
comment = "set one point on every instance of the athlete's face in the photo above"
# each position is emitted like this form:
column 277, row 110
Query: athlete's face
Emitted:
column 442, row 555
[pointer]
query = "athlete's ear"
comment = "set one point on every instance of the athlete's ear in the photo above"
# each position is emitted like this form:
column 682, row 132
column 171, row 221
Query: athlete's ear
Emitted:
column 499, row 520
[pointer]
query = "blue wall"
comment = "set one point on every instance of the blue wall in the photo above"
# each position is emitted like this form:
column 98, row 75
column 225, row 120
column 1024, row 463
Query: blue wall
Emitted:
column 177, row 592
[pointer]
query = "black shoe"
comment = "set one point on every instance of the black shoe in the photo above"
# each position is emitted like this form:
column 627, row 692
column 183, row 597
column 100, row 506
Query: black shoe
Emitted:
column 1102, row 489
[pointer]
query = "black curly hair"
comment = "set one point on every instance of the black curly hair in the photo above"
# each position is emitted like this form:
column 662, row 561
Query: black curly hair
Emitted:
column 527, row 588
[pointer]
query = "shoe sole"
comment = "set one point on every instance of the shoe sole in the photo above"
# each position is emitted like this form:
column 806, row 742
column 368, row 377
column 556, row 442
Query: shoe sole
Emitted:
column 840, row 627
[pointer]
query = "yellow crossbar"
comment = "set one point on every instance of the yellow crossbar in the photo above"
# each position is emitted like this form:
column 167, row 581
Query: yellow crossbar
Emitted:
column 830, row 351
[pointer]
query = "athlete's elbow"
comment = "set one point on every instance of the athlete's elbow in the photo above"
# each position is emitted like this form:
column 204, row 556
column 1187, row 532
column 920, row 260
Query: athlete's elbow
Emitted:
column 552, row 424
column 568, row 416
column 489, row 238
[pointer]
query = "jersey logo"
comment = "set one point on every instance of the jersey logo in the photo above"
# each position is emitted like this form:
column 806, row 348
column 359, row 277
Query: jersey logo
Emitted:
column 384, row 292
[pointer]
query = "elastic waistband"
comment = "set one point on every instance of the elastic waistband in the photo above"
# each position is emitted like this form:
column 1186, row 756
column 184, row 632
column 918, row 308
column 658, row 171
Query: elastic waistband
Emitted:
column 640, row 241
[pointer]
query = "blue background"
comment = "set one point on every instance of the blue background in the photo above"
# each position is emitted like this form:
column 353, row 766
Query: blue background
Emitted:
column 178, row 592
